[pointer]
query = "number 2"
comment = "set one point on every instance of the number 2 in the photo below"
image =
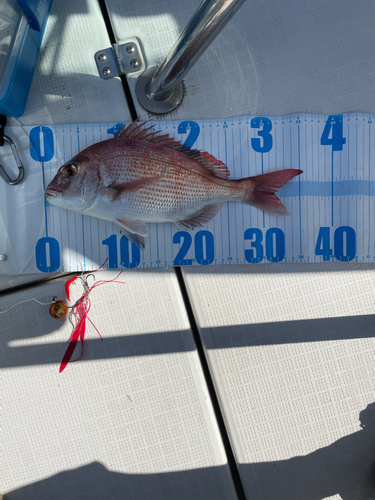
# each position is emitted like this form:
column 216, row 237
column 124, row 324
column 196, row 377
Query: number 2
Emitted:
column 193, row 129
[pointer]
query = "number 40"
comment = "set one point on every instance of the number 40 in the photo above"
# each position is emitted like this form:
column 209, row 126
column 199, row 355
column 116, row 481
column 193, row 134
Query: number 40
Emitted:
column 343, row 236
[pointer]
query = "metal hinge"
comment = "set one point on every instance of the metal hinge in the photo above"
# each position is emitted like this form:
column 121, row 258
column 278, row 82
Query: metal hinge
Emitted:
column 119, row 60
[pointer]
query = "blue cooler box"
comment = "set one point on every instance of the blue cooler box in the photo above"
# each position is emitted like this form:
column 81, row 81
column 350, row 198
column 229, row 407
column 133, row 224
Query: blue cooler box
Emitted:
column 22, row 25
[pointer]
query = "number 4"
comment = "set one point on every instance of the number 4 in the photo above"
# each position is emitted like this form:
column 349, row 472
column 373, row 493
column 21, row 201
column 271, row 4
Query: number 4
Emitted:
column 323, row 244
column 336, row 140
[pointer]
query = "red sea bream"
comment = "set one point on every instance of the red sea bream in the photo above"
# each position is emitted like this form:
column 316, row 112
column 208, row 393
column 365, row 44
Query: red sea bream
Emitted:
column 140, row 176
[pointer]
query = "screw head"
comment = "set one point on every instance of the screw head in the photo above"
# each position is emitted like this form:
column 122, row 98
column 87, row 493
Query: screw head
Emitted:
column 106, row 71
column 130, row 49
column 134, row 63
column 3, row 256
column 102, row 57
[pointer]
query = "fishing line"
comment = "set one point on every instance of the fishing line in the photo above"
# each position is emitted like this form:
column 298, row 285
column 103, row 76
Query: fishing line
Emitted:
column 29, row 300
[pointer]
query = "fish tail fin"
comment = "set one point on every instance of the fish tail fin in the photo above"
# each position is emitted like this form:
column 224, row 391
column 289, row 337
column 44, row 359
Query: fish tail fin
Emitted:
column 261, row 190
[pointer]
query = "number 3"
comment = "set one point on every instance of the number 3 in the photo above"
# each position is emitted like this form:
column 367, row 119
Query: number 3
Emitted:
column 265, row 134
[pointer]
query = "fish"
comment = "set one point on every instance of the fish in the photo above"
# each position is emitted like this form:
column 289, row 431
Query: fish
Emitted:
column 140, row 176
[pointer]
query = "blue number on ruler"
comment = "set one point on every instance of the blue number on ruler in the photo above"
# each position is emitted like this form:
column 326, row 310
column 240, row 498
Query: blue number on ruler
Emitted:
column 53, row 255
column 198, row 244
column 187, row 239
column 334, row 123
column 194, row 130
column 115, row 129
column 256, row 245
column 323, row 244
column 265, row 134
column 279, row 246
column 339, row 243
column 41, row 144
column 111, row 242
column 209, row 244
column 124, row 254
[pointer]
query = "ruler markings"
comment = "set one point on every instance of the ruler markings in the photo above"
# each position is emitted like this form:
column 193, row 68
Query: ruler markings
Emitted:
column 336, row 173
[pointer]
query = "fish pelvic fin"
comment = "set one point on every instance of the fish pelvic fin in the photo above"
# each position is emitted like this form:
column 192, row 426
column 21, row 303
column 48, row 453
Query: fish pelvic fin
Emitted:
column 134, row 230
column 201, row 217
column 261, row 189
column 215, row 166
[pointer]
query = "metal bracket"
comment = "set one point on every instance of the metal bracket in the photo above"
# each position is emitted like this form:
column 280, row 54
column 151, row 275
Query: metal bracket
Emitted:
column 21, row 170
column 119, row 60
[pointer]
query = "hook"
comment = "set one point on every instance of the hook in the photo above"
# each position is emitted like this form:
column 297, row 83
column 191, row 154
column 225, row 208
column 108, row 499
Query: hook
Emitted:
column 3, row 174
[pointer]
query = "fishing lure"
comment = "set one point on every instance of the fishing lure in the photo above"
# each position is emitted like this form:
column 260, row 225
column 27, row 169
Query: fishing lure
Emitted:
column 58, row 309
column 78, row 314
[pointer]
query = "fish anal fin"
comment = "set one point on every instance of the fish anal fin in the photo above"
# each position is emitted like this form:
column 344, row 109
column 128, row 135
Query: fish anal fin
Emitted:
column 134, row 230
column 201, row 217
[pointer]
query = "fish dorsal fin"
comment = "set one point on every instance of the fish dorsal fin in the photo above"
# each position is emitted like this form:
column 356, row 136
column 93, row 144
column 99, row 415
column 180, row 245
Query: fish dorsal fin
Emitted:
column 215, row 166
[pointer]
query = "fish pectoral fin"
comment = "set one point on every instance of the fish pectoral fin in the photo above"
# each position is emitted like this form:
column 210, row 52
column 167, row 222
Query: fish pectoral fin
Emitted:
column 134, row 230
column 201, row 217
column 114, row 191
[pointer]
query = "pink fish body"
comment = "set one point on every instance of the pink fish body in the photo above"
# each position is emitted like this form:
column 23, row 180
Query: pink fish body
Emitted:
column 140, row 176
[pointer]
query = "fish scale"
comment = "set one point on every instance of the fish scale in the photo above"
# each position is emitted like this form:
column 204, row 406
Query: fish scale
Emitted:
column 139, row 177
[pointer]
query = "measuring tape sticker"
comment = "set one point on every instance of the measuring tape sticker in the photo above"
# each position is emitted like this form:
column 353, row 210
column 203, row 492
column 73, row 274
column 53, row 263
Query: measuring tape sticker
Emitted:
column 331, row 203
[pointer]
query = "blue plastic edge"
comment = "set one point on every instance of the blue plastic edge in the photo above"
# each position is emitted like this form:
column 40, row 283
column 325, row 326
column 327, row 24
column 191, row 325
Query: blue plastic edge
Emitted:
column 14, row 101
column 36, row 12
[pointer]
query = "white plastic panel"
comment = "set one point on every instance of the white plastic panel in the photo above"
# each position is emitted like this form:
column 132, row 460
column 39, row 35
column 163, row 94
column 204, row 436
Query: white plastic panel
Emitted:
column 66, row 86
column 291, row 350
column 273, row 58
column 131, row 419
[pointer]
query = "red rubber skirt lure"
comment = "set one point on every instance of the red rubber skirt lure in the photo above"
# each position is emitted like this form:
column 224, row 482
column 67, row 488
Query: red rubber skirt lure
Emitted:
column 78, row 314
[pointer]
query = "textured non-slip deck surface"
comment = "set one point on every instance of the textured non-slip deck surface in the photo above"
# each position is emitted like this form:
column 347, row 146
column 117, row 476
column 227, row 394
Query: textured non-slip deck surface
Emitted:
column 291, row 349
column 273, row 58
column 66, row 86
column 132, row 418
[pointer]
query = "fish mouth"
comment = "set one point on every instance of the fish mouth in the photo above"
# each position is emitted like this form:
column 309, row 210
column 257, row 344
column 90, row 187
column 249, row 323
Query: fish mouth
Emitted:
column 52, row 193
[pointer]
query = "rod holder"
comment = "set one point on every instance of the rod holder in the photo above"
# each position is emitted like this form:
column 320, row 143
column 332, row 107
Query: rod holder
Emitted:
column 159, row 89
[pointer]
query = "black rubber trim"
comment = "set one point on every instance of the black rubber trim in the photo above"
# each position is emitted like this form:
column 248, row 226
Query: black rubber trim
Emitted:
column 211, row 388
column 124, row 81
column 35, row 283
column 3, row 122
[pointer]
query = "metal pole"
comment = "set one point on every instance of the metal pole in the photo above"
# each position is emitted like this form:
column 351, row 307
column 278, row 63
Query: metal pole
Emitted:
column 160, row 89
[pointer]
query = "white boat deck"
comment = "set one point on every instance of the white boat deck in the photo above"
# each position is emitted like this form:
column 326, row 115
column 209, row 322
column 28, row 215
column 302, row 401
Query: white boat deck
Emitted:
column 289, row 348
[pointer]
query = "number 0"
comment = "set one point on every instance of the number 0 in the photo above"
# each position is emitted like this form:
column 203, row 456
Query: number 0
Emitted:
column 348, row 233
column 47, row 262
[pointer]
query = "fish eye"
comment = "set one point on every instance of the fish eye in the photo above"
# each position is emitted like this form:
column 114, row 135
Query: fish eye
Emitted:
column 69, row 170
